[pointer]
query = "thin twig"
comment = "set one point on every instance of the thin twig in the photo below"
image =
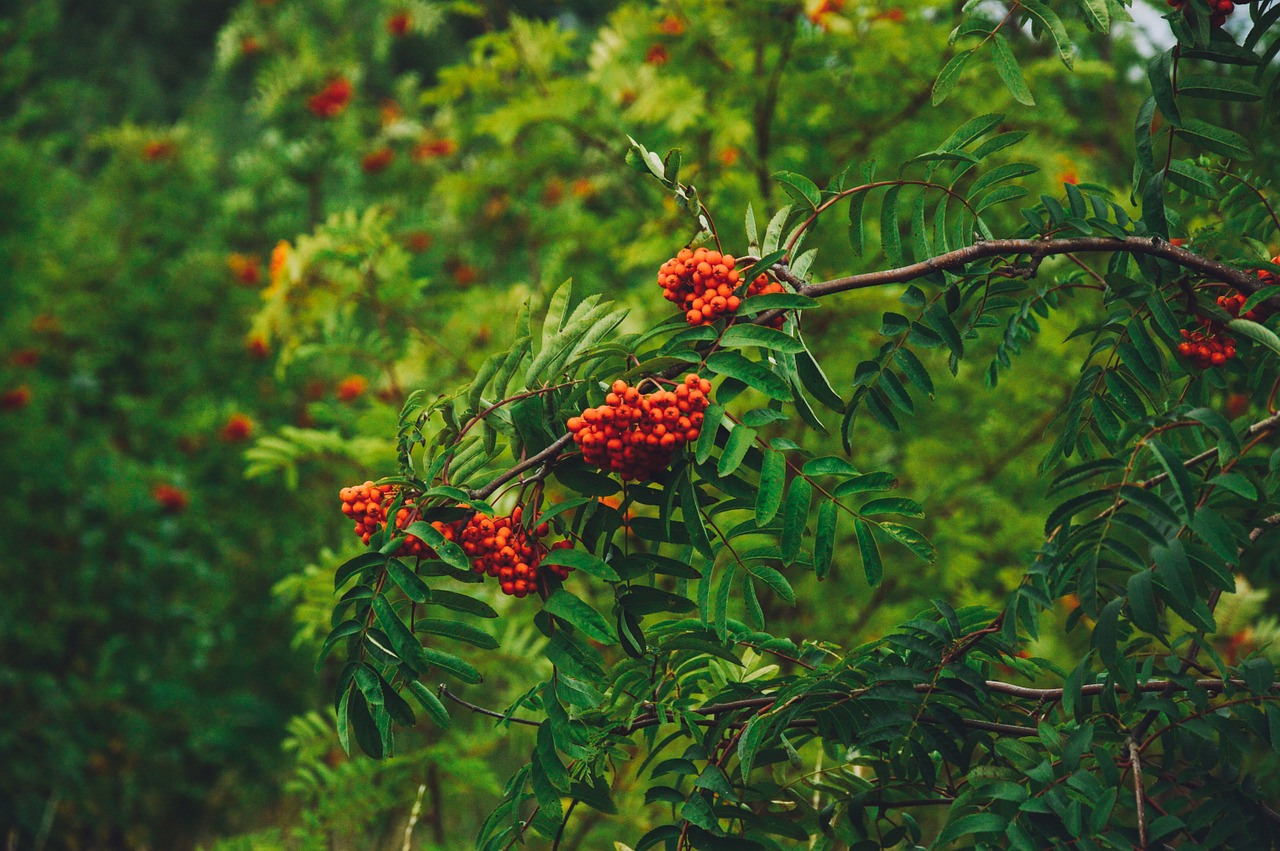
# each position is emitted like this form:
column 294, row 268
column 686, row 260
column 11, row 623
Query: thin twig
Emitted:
column 480, row 710
column 1135, row 762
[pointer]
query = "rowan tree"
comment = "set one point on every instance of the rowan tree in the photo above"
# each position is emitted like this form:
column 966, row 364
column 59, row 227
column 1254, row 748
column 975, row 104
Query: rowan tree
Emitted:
column 690, row 507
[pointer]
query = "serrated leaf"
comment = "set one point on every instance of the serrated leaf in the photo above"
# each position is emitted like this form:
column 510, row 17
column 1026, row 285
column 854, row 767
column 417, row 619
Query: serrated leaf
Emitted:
column 911, row 539
column 580, row 615
column 449, row 552
column 1216, row 139
column 712, row 418
column 403, row 642
column 1009, row 72
column 735, row 450
column 762, row 336
column 463, row 632
column 751, row 373
column 824, row 538
column 773, row 480
column 589, row 564
column 949, row 76
column 1257, row 333
column 346, row 629
column 795, row 516
column 1183, row 490
column 408, row 581
column 1053, row 25
column 869, row 551
column 430, row 704
column 799, row 187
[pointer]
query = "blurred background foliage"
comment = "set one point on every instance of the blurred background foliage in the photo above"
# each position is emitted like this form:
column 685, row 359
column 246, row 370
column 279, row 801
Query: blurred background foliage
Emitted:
column 233, row 237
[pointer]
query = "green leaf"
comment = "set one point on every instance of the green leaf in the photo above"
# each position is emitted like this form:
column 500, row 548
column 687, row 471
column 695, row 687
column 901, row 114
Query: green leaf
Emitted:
column 1142, row 601
column 1228, row 443
column 449, row 663
column 1257, row 333
column 463, row 632
column 775, row 301
column 739, row 336
column 857, row 235
column 580, row 615
column 448, row 551
column 864, row 483
column 1159, row 73
column 816, row 382
column 1259, row 297
column 712, row 418
column 948, row 77
column 799, row 187
column 410, row 583
column 1189, row 177
column 777, row 583
column 362, row 724
column 870, row 552
column 824, row 539
column 403, row 642
column 911, row 539
column 557, row 312
column 346, row 629
column 1097, row 15
column 751, row 373
column 914, row 370
column 430, row 704
column 1183, row 491
column 829, row 465
column 795, row 516
column 890, row 239
column 892, row 505
column 1216, row 139
column 692, row 514
column 971, row 824
column 1215, row 87
column 773, row 480
column 353, row 566
column 1009, row 72
column 766, row 262
column 939, row 320
column 582, row 560
column 464, row 603
column 773, row 232
column 1052, row 24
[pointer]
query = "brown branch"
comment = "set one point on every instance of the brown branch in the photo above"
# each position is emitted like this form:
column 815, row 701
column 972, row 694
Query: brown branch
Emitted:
column 545, row 456
column 1140, row 799
column 480, row 710
column 1038, row 249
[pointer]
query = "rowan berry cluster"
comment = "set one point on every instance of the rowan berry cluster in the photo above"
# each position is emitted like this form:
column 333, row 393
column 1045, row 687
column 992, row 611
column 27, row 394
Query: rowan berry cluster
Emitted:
column 503, row 548
column 1208, row 348
column 1233, row 303
column 367, row 505
column 702, row 283
column 330, row 101
column 1218, row 9
column 635, row 435
column 497, row 546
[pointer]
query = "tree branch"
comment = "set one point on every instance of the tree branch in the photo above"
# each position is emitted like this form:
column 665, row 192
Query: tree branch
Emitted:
column 1038, row 249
